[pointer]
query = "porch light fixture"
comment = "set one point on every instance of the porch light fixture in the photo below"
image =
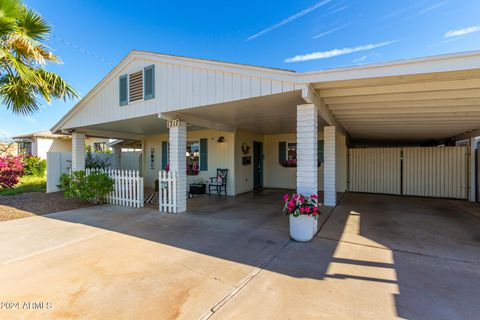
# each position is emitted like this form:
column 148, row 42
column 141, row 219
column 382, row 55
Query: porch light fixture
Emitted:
column 221, row 139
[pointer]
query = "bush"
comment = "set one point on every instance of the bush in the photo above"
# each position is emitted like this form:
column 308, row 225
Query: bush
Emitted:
column 93, row 162
column 34, row 166
column 11, row 169
column 93, row 187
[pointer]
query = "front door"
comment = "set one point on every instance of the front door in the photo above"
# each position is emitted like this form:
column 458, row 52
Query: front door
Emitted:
column 257, row 165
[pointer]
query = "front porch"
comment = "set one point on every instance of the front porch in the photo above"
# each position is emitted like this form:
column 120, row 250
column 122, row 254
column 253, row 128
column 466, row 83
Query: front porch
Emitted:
column 253, row 139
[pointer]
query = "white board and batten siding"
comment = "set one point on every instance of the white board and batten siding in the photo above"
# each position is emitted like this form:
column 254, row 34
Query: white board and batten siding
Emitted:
column 179, row 85
column 440, row 172
column 436, row 172
column 374, row 170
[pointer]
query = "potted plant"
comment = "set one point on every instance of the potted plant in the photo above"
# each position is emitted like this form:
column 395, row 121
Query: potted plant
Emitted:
column 303, row 213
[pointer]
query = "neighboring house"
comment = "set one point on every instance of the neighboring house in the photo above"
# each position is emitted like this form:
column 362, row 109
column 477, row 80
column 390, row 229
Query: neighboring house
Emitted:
column 39, row 143
column 8, row 148
column 282, row 129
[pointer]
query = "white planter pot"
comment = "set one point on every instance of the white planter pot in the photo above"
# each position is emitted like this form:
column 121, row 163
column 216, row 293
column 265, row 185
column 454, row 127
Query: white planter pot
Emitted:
column 303, row 228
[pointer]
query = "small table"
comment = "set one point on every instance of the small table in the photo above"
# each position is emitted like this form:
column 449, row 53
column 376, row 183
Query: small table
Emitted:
column 197, row 189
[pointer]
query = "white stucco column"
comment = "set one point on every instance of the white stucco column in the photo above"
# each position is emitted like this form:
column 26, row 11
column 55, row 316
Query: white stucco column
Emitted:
column 472, row 196
column 178, row 162
column 78, row 151
column 329, row 177
column 307, row 136
column 117, row 160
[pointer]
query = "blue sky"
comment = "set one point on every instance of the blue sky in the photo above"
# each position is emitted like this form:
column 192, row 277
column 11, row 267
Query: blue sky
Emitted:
column 302, row 35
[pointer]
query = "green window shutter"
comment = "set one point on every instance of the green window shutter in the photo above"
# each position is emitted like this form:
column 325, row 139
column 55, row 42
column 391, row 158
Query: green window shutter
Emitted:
column 164, row 154
column 320, row 151
column 203, row 154
column 282, row 151
column 123, row 92
column 149, row 82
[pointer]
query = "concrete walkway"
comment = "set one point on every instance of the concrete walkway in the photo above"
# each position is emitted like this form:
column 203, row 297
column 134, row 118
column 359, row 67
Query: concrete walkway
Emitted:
column 376, row 257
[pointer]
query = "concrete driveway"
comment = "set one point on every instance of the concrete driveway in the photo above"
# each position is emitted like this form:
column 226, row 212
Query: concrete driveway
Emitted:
column 375, row 257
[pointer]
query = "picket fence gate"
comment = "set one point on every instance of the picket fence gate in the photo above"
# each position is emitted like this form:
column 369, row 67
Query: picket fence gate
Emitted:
column 128, row 187
column 167, row 191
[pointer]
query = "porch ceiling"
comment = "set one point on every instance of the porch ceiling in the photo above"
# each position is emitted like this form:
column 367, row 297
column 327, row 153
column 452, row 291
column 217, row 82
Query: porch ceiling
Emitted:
column 405, row 108
column 131, row 129
column 273, row 114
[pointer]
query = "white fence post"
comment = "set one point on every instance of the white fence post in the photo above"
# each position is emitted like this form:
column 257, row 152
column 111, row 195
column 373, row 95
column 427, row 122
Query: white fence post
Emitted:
column 167, row 193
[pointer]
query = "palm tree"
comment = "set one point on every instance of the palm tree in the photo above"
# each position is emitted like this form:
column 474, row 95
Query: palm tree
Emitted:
column 23, row 57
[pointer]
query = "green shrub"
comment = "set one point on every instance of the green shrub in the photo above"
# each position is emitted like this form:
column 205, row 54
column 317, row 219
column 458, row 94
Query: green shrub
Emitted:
column 34, row 166
column 93, row 187
column 94, row 162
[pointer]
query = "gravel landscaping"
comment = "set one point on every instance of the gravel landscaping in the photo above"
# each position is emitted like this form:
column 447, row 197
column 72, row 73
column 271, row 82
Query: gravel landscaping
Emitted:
column 35, row 204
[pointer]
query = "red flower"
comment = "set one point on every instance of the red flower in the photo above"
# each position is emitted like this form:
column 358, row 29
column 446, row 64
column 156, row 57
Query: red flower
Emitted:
column 307, row 209
column 302, row 209
column 285, row 197
column 314, row 196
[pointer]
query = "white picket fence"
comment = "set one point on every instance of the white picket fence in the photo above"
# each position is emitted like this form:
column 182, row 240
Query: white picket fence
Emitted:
column 128, row 187
column 167, row 191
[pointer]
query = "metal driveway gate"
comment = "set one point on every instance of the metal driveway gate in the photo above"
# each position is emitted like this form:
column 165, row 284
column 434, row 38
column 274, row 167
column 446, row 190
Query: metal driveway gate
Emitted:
column 375, row 170
column 415, row 171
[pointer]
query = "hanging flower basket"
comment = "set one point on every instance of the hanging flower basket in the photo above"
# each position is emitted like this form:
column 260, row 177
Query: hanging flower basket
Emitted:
column 303, row 214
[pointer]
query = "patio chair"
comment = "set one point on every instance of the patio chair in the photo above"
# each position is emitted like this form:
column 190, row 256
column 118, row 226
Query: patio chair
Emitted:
column 219, row 182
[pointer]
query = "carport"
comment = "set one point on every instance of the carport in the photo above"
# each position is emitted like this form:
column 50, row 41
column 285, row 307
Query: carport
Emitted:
column 402, row 122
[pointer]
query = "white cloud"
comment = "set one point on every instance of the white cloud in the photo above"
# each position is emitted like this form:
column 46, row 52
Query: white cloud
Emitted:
column 289, row 19
column 423, row 11
column 461, row 32
column 335, row 11
column 4, row 135
column 330, row 31
column 360, row 59
column 337, row 52
column 30, row 119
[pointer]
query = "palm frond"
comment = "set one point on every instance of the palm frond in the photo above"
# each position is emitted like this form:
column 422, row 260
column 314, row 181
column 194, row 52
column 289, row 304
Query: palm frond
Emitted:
column 10, row 9
column 33, row 25
column 54, row 86
column 17, row 95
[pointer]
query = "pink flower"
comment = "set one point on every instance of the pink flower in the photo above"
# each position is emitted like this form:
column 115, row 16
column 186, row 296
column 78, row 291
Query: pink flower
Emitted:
column 302, row 210
column 285, row 197
column 295, row 197
column 307, row 209
column 314, row 196
column 302, row 199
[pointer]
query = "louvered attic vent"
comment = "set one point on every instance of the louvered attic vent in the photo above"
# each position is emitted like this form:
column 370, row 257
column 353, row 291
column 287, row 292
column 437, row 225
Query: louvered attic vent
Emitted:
column 135, row 86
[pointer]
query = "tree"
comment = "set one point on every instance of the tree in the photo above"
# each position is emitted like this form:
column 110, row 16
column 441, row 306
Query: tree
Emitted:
column 23, row 57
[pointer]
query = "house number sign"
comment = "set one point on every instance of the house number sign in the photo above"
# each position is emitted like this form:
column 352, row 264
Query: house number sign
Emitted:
column 173, row 123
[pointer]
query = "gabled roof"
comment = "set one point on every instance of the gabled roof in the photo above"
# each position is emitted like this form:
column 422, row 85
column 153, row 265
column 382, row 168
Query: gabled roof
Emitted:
column 433, row 64
column 41, row 134
column 276, row 74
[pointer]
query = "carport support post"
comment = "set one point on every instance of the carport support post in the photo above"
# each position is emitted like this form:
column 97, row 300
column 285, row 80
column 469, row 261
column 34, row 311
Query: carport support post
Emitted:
column 78, row 151
column 329, row 177
column 117, row 153
column 472, row 196
column 307, row 136
column 178, row 162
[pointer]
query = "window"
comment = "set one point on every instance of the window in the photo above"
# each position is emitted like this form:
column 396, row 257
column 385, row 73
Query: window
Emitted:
column 193, row 157
column 287, row 153
column 99, row 147
column 25, row 147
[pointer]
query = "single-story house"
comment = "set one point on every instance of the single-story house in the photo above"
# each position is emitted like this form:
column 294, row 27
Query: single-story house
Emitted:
column 382, row 128
column 39, row 143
